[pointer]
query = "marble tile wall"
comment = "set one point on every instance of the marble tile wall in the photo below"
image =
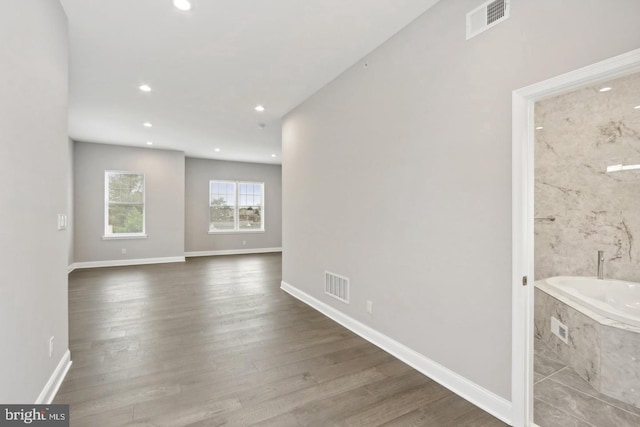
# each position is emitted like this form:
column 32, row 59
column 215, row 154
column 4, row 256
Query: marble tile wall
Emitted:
column 584, row 132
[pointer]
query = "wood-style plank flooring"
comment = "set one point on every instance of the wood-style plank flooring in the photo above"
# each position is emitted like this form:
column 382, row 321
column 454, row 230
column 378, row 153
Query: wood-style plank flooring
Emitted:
column 214, row 341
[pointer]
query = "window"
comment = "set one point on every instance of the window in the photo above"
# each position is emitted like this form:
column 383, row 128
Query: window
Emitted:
column 124, row 204
column 236, row 206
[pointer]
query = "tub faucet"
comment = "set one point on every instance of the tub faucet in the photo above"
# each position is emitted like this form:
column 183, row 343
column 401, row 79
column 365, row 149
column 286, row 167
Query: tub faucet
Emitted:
column 600, row 265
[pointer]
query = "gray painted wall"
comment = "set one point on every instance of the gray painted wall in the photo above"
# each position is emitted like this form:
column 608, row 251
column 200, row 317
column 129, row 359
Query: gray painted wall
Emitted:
column 198, row 174
column 34, row 169
column 164, row 204
column 399, row 175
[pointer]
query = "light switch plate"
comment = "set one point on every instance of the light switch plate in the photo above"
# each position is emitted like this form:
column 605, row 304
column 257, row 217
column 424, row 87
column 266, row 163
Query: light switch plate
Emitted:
column 62, row 221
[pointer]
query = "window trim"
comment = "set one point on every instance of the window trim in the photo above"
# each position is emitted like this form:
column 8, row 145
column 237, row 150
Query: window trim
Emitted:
column 123, row 236
column 236, row 211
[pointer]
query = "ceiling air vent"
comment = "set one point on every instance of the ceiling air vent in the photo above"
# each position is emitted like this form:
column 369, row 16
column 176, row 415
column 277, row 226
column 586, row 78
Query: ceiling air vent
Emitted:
column 337, row 286
column 486, row 16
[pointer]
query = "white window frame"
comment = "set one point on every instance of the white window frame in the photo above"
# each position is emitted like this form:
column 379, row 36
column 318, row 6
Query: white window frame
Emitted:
column 113, row 236
column 236, row 210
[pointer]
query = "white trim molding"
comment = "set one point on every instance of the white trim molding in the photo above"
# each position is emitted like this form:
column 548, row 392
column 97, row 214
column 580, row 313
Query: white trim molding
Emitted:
column 71, row 267
column 232, row 252
column 479, row 396
column 523, row 213
column 126, row 262
column 52, row 386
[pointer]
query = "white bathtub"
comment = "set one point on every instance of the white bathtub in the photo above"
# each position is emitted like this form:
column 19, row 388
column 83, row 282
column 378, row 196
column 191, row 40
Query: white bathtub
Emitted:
column 614, row 299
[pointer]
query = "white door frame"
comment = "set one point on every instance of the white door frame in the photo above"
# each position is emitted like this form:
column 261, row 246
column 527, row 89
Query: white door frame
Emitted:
column 522, row 215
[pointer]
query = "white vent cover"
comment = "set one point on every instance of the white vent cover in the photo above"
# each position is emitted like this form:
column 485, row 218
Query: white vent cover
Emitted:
column 337, row 286
column 486, row 16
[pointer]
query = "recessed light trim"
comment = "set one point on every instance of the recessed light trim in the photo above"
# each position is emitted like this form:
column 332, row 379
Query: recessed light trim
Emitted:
column 637, row 107
column 144, row 88
column 149, row 142
column 217, row 150
column 273, row 155
column 605, row 89
column 539, row 127
column 259, row 108
column 183, row 5
column 147, row 125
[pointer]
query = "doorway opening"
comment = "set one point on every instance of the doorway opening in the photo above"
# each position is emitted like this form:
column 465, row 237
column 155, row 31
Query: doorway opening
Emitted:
column 523, row 190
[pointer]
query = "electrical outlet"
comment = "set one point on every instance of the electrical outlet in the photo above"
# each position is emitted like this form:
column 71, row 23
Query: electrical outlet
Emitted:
column 124, row 251
column 560, row 330
column 51, row 346
column 369, row 306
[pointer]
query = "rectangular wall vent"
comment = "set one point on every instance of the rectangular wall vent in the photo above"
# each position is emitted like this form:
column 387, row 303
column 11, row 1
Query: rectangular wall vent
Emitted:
column 486, row 16
column 560, row 330
column 337, row 286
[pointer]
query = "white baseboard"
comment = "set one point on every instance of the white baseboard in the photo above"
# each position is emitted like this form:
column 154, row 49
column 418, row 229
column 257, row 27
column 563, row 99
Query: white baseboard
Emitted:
column 71, row 268
column 479, row 396
column 125, row 262
column 52, row 386
column 232, row 252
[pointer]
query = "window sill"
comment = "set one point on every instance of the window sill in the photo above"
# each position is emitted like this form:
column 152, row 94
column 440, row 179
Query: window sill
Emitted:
column 237, row 232
column 124, row 236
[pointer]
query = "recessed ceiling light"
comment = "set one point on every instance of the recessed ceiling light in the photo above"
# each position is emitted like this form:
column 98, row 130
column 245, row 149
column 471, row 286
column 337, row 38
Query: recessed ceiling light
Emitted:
column 145, row 88
column 605, row 89
column 217, row 150
column 539, row 128
column 637, row 107
column 183, row 5
column 147, row 125
column 259, row 108
column 149, row 143
column 273, row 155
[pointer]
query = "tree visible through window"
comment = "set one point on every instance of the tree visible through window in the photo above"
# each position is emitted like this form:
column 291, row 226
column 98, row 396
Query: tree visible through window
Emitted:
column 236, row 206
column 222, row 201
column 124, row 202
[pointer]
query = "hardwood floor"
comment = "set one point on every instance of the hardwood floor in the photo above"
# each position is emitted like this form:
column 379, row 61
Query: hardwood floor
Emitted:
column 214, row 341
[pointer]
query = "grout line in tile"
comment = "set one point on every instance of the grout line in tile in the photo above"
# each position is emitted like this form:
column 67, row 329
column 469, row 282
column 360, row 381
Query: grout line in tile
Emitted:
column 549, row 376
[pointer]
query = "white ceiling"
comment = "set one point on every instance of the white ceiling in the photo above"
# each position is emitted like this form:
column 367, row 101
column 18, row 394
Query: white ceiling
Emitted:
column 211, row 66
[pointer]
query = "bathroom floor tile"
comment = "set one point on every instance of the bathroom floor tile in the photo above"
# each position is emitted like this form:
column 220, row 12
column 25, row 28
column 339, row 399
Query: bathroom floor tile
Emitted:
column 583, row 406
column 571, row 379
column 546, row 415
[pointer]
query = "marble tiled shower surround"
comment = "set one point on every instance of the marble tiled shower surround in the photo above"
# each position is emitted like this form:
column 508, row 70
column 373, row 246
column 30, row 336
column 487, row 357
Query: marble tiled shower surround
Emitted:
column 583, row 133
